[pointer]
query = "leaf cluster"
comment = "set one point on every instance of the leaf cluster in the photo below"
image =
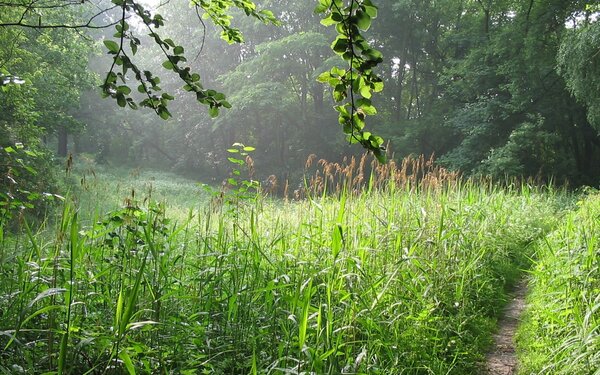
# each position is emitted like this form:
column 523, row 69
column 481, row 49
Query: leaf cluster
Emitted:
column 357, row 78
column 126, row 45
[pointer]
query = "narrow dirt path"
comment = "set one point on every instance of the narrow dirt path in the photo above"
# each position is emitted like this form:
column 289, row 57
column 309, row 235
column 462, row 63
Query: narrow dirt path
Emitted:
column 502, row 359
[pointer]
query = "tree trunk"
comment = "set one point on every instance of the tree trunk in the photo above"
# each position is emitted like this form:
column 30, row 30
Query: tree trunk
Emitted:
column 317, row 93
column 63, row 138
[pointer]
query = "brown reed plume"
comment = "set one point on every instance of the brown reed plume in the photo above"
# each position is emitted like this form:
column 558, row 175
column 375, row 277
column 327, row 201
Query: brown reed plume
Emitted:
column 355, row 176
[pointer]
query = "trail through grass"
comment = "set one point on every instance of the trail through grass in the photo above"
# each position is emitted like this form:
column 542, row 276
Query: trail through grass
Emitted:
column 561, row 332
column 502, row 358
column 401, row 280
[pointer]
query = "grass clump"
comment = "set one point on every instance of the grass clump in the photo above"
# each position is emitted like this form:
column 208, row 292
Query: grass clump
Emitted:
column 403, row 278
column 561, row 331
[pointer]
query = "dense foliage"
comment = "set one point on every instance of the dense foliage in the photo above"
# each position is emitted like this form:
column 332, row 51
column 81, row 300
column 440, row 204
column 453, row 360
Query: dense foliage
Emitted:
column 485, row 86
column 377, row 268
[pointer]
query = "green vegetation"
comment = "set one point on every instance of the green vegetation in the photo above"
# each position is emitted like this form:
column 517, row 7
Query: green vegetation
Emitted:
column 99, row 190
column 334, row 263
column 407, row 278
column 500, row 88
column 560, row 333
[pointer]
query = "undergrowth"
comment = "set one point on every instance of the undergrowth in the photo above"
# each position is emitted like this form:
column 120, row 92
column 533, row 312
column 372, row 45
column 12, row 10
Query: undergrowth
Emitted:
column 398, row 278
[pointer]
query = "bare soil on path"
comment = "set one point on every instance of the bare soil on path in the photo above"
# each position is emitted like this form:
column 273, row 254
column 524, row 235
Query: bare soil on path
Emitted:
column 502, row 358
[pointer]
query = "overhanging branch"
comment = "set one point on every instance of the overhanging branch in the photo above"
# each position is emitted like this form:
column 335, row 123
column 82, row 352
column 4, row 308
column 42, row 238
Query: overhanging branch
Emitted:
column 89, row 24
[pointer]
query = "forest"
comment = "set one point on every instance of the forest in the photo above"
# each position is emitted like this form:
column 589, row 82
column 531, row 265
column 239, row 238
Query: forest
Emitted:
column 299, row 187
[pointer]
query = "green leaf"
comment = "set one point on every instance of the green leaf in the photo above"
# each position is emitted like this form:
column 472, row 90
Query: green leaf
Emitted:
column 127, row 362
column 340, row 45
column 380, row 155
column 112, row 46
column 365, row 91
column 363, row 20
column 133, row 47
column 324, row 77
column 213, row 112
column 124, row 90
column 374, row 55
column 371, row 10
column 163, row 112
column 320, row 8
column 366, row 107
column 328, row 21
column 339, row 92
column 178, row 50
column 169, row 42
column 377, row 86
column 168, row 65
column 121, row 100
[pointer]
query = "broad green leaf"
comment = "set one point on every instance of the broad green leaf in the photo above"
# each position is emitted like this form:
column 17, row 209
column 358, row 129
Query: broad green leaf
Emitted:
column 363, row 20
column 328, row 21
column 377, row 86
column 366, row 107
column 133, row 47
column 178, row 50
column 365, row 91
column 121, row 100
column 112, row 46
column 124, row 90
column 324, row 77
column 371, row 10
column 340, row 45
column 168, row 65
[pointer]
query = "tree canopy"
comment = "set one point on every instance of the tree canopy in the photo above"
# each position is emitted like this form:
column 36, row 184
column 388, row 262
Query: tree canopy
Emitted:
column 502, row 88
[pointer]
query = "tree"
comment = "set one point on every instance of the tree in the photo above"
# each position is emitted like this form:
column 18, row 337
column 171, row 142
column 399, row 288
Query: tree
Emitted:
column 579, row 64
column 42, row 73
column 350, row 18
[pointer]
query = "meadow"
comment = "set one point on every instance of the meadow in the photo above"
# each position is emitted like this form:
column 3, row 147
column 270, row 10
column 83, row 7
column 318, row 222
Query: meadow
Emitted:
column 403, row 269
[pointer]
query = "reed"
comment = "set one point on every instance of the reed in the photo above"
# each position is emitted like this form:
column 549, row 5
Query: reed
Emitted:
column 401, row 270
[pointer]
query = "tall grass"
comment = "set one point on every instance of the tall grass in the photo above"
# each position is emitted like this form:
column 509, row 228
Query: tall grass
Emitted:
column 400, row 278
column 561, row 332
column 100, row 189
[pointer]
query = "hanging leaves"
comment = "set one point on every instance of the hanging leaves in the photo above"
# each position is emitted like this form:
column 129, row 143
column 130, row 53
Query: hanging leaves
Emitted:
column 357, row 81
column 116, row 83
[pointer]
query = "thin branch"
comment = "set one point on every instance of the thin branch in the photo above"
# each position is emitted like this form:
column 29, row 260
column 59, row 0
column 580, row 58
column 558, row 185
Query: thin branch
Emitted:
column 203, row 32
column 87, row 25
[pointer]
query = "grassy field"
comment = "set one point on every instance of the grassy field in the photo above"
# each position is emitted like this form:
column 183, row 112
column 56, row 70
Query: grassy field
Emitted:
column 561, row 332
column 404, row 276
